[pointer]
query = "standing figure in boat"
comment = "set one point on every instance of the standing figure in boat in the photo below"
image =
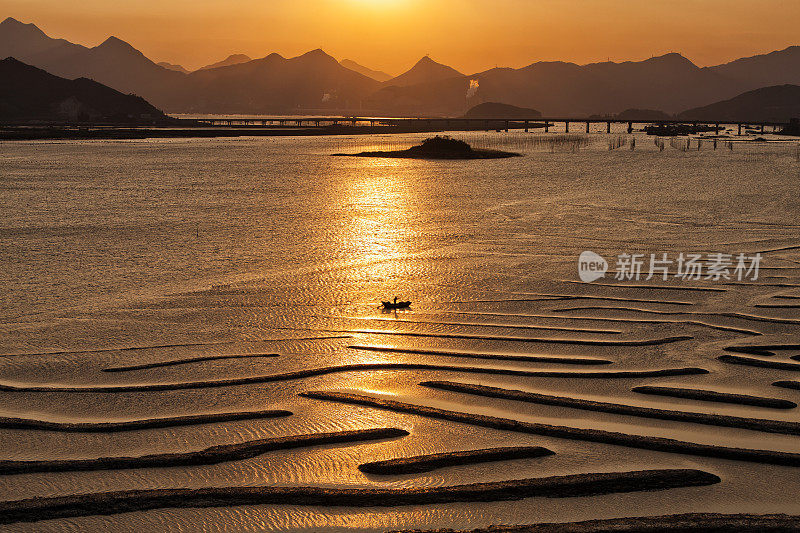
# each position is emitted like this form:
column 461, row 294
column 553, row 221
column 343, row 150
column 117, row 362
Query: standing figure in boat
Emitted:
column 395, row 304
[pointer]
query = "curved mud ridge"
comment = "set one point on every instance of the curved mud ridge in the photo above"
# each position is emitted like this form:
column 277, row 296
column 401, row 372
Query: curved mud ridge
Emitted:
column 660, row 444
column 133, row 425
column 713, row 396
column 563, row 360
column 176, row 362
column 717, row 327
column 679, row 523
column 300, row 374
column 764, row 350
column 178, row 345
column 578, row 342
column 754, row 424
column 743, row 316
column 106, row 503
column 608, row 298
column 749, row 350
column 653, row 287
column 426, row 463
column 209, row 456
column 752, row 361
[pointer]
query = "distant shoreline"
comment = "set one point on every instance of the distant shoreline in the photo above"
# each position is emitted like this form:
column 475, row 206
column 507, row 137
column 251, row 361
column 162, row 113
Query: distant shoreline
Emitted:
column 31, row 133
column 12, row 133
column 18, row 132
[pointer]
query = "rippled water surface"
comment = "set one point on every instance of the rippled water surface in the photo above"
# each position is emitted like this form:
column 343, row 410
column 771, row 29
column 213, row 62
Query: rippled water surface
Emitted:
column 119, row 254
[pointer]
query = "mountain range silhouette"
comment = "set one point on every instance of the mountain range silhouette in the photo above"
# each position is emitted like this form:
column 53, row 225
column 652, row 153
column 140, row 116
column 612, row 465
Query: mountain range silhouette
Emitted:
column 315, row 82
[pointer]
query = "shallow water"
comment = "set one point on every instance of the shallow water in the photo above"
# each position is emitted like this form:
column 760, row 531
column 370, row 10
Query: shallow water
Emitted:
column 125, row 253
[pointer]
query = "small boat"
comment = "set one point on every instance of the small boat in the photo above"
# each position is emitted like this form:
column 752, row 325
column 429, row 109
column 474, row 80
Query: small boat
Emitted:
column 395, row 304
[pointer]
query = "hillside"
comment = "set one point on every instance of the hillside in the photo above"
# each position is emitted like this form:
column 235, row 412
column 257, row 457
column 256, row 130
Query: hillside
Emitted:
column 119, row 65
column 173, row 66
column 643, row 114
column 376, row 75
column 31, row 94
column 779, row 103
column 775, row 68
column 233, row 59
column 498, row 110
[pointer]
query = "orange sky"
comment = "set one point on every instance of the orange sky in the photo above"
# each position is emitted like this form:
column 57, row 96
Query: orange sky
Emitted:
column 469, row 35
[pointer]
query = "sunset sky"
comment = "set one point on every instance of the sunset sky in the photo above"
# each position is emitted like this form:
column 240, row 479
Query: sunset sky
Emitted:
column 390, row 35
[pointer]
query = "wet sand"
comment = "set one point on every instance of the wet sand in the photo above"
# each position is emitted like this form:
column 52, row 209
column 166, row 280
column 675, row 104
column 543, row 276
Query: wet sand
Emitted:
column 591, row 435
column 553, row 487
column 755, row 424
column 136, row 425
column 490, row 356
column 301, row 374
column 162, row 364
column 150, row 281
column 426, row 463
column 209, row 456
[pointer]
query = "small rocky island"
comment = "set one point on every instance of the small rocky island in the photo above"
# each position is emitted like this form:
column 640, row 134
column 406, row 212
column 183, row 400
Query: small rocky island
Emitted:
column 439, row 148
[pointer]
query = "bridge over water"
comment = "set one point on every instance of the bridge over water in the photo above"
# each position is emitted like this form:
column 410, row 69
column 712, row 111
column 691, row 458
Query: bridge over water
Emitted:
column 433, row 124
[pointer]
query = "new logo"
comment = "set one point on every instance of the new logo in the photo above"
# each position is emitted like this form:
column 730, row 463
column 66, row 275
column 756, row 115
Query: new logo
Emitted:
column 591, row 267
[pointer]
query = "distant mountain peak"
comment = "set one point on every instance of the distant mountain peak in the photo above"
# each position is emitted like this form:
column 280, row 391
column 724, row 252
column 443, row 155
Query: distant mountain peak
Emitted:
column 23, row 41
column 427, row 62
column 317, row 53
column 115, row 45
column 114, row 41
column 12, row 24
column 671, row 57
column 273, row 57
column 318, row 56
column 425, row 70
column 237, row 57
column 233, row 59
column 13, row 61
column 11, row 21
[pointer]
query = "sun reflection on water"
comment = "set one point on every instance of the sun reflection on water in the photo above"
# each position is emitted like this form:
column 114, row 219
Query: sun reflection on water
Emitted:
column 378, row 204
